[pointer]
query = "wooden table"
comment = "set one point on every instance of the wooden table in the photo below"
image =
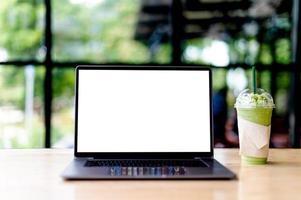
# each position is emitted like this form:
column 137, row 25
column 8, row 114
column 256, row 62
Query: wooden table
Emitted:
column 34, row 174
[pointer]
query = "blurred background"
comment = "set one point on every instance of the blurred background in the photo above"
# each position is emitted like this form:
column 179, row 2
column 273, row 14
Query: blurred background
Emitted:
column 42, row 41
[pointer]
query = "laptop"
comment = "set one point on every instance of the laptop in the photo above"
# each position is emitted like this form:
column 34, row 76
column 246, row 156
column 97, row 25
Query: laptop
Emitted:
column 143, row 122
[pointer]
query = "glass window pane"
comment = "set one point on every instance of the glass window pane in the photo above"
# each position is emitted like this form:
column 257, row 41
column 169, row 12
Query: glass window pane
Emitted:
column 281, row 96
column 220, row 33
column 105, row 31
column 22, row 30
column 21, row 107
column 264, row 80
column 63, row 108
column 223, row 34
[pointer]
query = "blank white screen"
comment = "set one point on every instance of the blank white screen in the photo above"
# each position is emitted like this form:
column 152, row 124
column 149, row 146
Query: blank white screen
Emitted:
column 143, row 111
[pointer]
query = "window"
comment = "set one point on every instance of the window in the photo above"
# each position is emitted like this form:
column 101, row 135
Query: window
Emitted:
column 42, row 41
column 109, row 27
column 22, row 30
column 63, row 107
column 21, row 106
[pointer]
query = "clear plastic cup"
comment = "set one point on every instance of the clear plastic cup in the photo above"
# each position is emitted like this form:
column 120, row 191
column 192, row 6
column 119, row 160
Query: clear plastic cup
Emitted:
column 254, row 113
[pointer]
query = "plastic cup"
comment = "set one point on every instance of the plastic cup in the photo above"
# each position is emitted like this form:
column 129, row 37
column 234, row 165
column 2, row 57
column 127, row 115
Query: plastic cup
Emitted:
column 254, row 113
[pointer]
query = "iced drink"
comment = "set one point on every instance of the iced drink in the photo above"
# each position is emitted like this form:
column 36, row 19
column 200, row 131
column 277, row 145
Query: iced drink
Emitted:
column 254, row 112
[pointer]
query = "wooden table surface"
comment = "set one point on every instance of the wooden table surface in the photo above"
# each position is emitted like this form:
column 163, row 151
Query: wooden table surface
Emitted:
column 34, row 174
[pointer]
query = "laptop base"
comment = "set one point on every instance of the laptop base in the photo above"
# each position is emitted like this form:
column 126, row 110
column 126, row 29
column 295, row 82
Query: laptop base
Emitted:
column 78, row 171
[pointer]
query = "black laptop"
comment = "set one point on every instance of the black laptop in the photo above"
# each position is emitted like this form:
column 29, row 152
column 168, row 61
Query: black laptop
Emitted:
column 139, row 122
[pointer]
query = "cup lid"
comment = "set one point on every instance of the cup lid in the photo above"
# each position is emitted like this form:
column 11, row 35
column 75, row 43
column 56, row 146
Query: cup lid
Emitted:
column 259, row 99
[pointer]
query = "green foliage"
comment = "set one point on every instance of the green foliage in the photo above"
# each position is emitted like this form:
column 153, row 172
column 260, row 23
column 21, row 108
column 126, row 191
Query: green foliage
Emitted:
column 63, row 84
column 12, row 84
column 219, row 79
column 283, row 80
column 102, row 33
column 265, row 80
column 283, row 55
column 266, row 56
column 21, row 28
column 163, row 54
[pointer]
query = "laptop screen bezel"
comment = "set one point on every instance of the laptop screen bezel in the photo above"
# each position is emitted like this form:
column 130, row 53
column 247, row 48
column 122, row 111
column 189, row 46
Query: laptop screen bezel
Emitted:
column 142, row 155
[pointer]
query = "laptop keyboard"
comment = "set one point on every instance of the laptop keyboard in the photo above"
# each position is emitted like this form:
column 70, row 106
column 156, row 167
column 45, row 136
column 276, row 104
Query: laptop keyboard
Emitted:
column 145, row 163
column 153, row 168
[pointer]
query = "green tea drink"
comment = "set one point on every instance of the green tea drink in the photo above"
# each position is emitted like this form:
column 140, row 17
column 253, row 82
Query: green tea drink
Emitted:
column 254, row 113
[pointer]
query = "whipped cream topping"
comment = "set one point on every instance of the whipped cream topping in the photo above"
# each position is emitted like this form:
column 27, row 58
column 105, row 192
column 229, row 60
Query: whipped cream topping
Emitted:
column 247, row 99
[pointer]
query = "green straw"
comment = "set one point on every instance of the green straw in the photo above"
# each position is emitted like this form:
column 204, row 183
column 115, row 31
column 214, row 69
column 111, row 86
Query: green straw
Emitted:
column 253, row 80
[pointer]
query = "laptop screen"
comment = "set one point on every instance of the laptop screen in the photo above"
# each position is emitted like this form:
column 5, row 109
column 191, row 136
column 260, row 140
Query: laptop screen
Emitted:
column 143, row 111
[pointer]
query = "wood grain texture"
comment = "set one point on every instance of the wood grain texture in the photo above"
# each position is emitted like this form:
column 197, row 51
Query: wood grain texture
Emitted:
column 35, row 174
